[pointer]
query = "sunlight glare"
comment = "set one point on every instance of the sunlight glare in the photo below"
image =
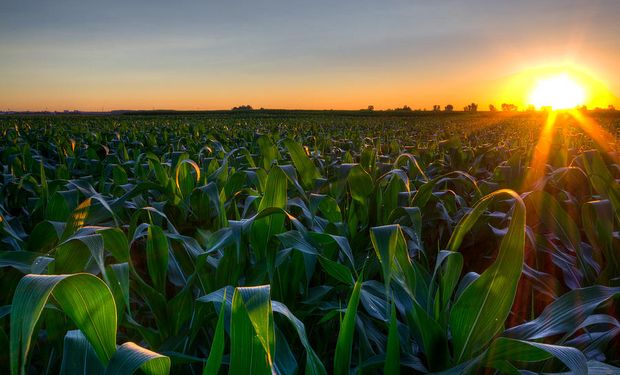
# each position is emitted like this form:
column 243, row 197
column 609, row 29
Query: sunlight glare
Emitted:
column 558, row 92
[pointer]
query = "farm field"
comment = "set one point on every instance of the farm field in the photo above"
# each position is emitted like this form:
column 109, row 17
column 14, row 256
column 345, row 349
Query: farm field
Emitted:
column 310, row 242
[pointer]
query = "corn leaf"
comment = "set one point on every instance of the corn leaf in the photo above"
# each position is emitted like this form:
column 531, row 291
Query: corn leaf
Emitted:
column 130, row 357
column 305, row 167
column 480, row 311
column 344, row 344
column 252, row 332
column 83, row 297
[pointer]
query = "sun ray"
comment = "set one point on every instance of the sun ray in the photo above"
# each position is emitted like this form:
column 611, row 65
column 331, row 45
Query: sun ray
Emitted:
column 603, row 139
column 541, row 152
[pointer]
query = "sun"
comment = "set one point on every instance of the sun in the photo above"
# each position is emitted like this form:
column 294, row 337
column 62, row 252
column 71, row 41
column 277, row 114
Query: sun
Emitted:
column 558, row 92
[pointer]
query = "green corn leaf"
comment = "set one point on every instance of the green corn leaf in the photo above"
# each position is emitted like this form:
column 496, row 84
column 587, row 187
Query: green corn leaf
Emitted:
column 391, row 250
column 599, row 368
column 57, row 208
column 130, row 357
column 392, row 357
column 305, row 167
column 480, row 311
column 327, row 205
column 45, row 235
column 20, row 260
column 556, row 219
column 157, row 256
column 78, row 356
column 601, row 179
column 77, row 218
column 314, row 365
column 565, row 314
column 43, row 181
column 217, row 347
column 598, row 224
column 264, row 228
column 115, row 241
column 389, row 201
column 119, row 175
column 83, row 297
column 448, row 265
column 424, row 193
column 252, row 333
column 185, row 182
column 344, row 344
column 505, row 349
column 83, row 245
column 432, row 336
column 275, row 190
column 118, row 281
column 268, row 151
column 360, row 183
column 337, row 271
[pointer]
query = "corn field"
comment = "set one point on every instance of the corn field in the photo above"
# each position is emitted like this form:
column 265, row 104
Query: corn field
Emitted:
column 309, row 243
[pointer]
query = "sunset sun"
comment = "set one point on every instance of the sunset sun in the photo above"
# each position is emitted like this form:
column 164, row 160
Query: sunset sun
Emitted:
column 558, row 92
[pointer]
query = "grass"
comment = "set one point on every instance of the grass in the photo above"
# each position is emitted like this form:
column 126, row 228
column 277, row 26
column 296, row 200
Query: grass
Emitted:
column 328, row 242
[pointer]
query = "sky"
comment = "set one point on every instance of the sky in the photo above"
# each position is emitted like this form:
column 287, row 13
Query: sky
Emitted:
column 103, row 55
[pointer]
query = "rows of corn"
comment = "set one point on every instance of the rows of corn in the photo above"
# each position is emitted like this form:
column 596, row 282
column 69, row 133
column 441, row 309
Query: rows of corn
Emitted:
column 307, row 244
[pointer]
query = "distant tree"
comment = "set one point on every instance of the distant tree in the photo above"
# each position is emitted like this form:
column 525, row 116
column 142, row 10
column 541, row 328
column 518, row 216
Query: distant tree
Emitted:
column 611, row 108
column 371, row 108
column 404, row 108
column 436, row 108
column 449, row 108
column 546, row 108
column 492, row 108
column 242, row 108
column 473, row 107
column 506, row 107
column 531, row 108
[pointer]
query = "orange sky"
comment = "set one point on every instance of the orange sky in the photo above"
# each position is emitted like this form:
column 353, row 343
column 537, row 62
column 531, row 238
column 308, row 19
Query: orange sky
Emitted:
column 90, row 56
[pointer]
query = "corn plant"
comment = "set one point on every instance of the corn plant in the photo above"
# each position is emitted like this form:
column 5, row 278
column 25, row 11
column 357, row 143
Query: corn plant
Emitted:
column 284, row 243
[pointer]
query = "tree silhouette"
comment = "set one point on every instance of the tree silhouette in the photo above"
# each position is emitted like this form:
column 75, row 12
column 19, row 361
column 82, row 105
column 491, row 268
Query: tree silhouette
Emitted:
column 506, row 107
column 492, row 108
column 242, row 108
column 473, row 107
column 449, row 108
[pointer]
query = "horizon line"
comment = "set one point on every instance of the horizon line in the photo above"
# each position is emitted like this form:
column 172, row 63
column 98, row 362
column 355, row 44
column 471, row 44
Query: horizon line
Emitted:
column 610, row 108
